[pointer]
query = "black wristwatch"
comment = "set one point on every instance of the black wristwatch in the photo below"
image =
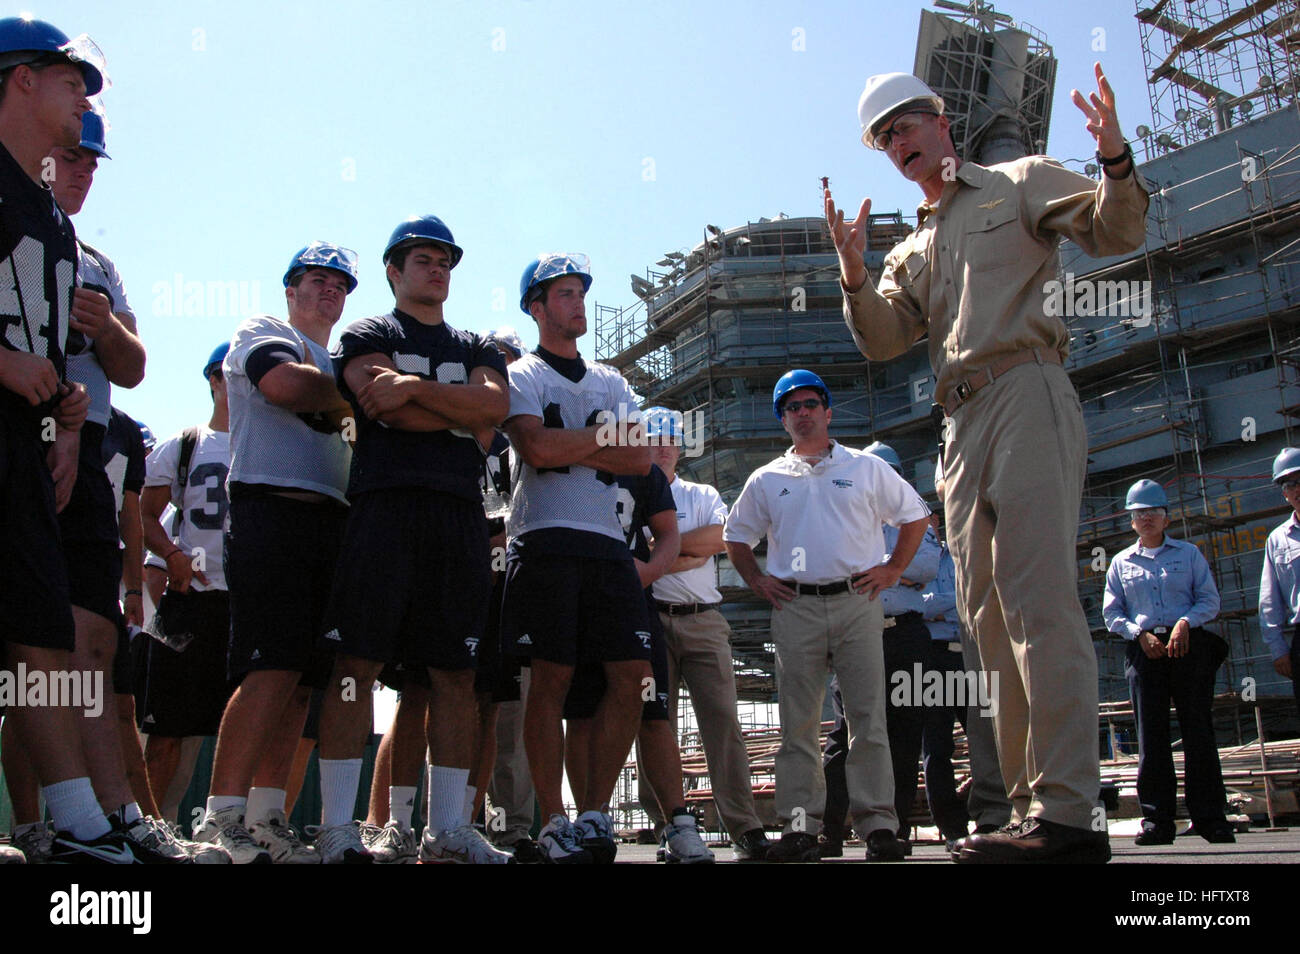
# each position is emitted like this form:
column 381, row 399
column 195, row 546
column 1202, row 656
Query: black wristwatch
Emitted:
column 1116, row 160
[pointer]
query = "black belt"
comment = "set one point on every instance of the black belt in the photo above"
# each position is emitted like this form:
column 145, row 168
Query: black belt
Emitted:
column 818, row 589
column 684, row 609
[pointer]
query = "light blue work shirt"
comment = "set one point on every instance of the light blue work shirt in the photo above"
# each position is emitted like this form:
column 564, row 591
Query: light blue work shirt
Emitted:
column 940, row 601
column 1146, row 588
column 923, row 568
column 1279, row 587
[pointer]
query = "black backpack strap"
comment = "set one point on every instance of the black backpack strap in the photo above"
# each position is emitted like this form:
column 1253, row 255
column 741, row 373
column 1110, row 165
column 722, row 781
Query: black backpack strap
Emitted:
column 189, row 441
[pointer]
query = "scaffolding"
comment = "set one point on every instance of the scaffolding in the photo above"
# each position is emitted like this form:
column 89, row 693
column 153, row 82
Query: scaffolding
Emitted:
column 1210, row 64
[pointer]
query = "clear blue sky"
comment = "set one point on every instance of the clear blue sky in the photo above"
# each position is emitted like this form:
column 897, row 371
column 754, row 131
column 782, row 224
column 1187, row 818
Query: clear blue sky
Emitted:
column 242, row 131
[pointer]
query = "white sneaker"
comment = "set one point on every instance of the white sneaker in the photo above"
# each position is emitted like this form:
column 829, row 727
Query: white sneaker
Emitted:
column 277, row 837
column 560, row 843
column 157, row 839
column 35, row 844
column 394, row 844
column 203, row 854
column 199, row 854
column 226, row 830
column 682, row 843
column 461, row 846
column 340, row 844
column 596, row 829
column 10, row 855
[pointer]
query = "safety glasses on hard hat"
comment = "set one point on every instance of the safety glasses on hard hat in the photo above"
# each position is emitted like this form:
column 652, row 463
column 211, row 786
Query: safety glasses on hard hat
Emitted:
column 902, row 126
column 560, row 263
column 324, row 255
column 82, row 49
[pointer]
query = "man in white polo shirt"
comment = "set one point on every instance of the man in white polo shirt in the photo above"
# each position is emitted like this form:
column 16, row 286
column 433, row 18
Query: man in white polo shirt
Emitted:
column 699, row 641
column 821, row 506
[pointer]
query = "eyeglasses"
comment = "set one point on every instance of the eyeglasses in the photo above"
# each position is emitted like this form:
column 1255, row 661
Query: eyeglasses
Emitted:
column 902, row 126
column 792, row 407
column 1148, row 513
column 217, row 373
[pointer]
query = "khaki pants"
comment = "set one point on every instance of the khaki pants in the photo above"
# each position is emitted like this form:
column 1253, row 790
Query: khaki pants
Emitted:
column 699, row 653
column 511, row 785
column 1014, row 467
column 813, row 634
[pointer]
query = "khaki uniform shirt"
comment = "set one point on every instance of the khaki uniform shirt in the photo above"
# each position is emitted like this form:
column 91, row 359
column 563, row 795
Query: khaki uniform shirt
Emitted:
column 973, row 273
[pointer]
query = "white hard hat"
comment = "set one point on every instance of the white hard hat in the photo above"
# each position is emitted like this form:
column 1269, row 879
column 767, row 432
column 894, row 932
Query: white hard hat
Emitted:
column 885, row 92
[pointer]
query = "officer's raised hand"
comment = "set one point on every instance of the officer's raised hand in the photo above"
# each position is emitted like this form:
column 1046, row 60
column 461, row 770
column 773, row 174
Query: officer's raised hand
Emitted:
column 1103, row 123
column 850, row 241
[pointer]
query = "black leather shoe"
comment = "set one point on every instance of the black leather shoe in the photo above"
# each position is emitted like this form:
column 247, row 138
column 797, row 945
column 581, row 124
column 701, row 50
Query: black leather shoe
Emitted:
column 1037, row 840
column 1218, row 834
column 830, row 847
column 794, row 846
column 1154, row 836
column 950, row 838
column 751, row 845
column 883, row 845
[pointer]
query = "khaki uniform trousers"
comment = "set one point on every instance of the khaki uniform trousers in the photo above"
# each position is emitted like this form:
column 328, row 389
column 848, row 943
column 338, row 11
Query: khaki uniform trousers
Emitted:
column 699, row 653
column 1014, row 467
column 814, row 634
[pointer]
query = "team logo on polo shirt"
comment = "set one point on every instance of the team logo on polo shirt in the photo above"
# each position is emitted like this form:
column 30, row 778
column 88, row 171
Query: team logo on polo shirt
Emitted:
column 842, row 482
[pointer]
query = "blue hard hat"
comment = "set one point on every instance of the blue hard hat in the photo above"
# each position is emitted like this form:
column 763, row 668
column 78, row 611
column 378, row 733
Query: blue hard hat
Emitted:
column 26, row 40
column 1286, row 463
column 146, row 435
column 324, row 255
column 662, row 422
column 218, row 355
column 885, row 453
column 793, row 381
column 421, row 230
column 1145, row 495
column 546, row 267
column 92, row 134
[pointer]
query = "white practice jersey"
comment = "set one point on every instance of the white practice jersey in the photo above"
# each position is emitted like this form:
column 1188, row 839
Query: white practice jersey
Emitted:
column 270, row 445
column 97, row 272
column 203, row 507
column 698, row 505
column 573, row 497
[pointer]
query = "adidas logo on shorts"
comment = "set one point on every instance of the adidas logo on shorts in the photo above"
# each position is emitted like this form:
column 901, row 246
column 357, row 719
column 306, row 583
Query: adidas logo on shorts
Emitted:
column 524, row 640
column 257, row 654
column 334, row 635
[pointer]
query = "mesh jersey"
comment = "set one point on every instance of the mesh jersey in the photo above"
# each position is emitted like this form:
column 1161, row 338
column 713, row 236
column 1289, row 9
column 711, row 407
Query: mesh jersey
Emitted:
column 38, row 269
column 97, row 272
column 203, row 508
column 270, row 445
column 123, row 456
column 573, row 497
column 449, row 461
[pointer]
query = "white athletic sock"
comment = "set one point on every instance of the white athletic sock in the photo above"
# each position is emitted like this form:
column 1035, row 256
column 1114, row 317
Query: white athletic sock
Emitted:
column 401, row 803
column 467, row 816
column 446, row 797
column 261, row 802
column 75, row 809
column 339, row 779
column 128, row 813
column 218, row 803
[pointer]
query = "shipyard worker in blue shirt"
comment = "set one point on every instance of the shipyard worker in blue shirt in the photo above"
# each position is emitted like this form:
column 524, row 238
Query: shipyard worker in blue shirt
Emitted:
column 1279, row 585
column 1159, row 596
